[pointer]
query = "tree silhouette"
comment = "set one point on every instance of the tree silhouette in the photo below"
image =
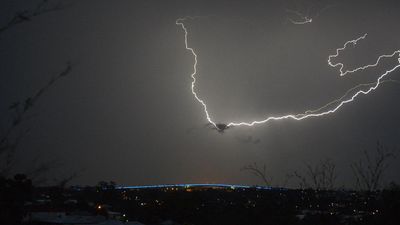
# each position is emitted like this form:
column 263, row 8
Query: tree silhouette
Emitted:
column 43, row 7
column 258, row 172
column 13, row 132
column 369, row 170
column 321, row 176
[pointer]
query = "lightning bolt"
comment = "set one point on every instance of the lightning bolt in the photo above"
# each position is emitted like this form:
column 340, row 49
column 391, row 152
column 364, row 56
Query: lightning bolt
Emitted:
column 309, row 113
column 179, row 22
column 304, row 19
column 341, row 65
column 347, row 93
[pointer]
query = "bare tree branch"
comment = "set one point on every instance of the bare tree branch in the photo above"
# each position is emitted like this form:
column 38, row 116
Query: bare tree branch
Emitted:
column 368, row 172
column 64, row 181
column 321, row 176
column 258, row 172
column 41, row 8
column 12, row 137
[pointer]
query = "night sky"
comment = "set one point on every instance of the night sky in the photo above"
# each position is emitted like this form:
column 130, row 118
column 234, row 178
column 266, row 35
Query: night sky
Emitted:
column 126, row 112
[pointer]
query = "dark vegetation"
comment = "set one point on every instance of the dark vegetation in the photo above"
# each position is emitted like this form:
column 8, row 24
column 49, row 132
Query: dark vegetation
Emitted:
column 14, row 130
column 368, row 171
column 208, row 205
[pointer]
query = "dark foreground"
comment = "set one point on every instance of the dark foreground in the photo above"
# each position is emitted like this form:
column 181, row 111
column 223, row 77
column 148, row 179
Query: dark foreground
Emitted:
column 106, row 204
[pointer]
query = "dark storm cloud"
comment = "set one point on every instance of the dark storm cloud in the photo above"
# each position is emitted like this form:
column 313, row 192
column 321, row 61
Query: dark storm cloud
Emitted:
column 126, row 113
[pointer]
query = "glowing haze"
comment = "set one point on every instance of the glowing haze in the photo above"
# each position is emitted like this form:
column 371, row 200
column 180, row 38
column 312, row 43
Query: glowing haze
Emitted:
column 322, row 111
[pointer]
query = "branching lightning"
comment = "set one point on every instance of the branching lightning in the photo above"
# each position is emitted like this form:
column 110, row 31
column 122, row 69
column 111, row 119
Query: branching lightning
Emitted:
column 336, row 101
column 309, row 113
column 341, row 65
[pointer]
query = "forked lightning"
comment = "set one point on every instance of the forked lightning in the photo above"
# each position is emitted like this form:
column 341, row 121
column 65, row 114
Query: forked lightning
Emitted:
column 309, row 113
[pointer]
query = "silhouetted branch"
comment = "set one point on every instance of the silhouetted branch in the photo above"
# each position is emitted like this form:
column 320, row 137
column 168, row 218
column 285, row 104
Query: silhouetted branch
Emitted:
column 36, row 174
column 41, row 8
column 303, row 183
column 11, row 138
column 64, row 181
column 369, row 172
column 321, row 176
column 258, row 172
